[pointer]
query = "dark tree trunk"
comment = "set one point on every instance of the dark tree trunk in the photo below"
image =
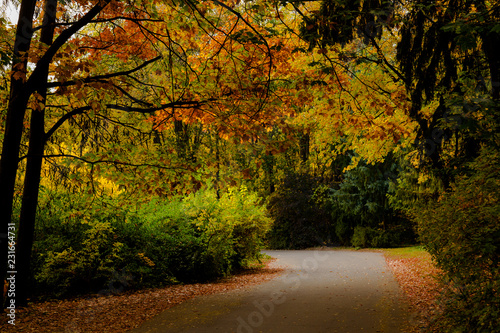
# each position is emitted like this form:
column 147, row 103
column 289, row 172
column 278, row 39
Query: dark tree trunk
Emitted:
column 29, row 205
column 33, row 170
column 21, row 89
column 181, row 139
column 490, row 44
column 188, row 140
column 269, row 171
column 217, row 165
column 304, row 147
column 18, row 101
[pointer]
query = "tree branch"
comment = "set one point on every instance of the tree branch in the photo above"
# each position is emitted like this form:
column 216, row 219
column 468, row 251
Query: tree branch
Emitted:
column 62, row 39
column 63, row 119
column 263, row 40
column 114, row 162
column 177, row 104
column 80, row 110
column 101, row 77
column 385, row 61
column 61, row 24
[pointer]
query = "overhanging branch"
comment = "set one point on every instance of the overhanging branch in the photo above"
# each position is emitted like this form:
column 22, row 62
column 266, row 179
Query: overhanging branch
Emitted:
column 80, row 110
column 125, row 18
column 63, row 38
column 114, row 162
column 102, row 77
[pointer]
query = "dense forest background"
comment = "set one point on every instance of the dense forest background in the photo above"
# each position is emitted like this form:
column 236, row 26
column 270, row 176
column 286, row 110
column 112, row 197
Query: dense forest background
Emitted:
column 157, row 142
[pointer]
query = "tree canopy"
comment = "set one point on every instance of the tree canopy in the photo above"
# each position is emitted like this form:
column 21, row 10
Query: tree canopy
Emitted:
column 373, row 111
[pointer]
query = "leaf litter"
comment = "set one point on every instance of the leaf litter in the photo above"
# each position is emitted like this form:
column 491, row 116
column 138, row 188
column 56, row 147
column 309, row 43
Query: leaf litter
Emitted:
column 418, row 277
column 119, row 313
column 126, row 311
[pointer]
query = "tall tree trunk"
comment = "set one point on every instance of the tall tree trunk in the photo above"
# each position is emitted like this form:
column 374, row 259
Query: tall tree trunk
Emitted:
column 181, row 139
column 33, row 170
column 18, row 101
column 490, row 44
column 304, row 147
column 268, row 166
column 217, row 165
column 20, row 91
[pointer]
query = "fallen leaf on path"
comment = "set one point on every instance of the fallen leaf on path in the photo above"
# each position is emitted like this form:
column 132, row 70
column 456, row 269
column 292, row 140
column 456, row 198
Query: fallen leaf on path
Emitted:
column 119, row 313
column 417, row 278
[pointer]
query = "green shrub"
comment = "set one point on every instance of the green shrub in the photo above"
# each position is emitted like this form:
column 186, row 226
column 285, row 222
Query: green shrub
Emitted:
column 80, row 247
column 232, row 228
column 300, row 213
column 343, row 227
column 360, row 237
column 461, row 230
column 85, row 265
column 74, row 250
column 370, row 237
column 362, row 212
column 250, row 222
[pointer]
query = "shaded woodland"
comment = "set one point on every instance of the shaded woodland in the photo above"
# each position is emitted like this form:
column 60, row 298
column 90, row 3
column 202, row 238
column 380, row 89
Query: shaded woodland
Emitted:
column 161, row 142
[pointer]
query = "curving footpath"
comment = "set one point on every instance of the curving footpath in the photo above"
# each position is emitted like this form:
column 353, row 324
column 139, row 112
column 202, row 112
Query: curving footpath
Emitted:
column 322, row 291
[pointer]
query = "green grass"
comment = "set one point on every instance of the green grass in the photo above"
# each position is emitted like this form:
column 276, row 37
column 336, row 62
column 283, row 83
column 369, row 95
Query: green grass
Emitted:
column 257, row 263
column 407, row 252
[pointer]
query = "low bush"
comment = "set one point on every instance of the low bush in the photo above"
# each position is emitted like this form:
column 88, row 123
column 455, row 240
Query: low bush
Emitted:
column 300, row 213
column 87, row 264
column 461, row 230
column 362, row 212
column 79, row 248
column 364, row 237
column 356, row 211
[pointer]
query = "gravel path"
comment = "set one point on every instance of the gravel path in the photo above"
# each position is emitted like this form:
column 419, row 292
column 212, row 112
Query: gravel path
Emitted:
column 320, row 291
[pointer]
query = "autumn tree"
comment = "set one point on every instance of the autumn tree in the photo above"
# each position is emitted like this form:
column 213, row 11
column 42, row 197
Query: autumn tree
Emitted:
column 443, row 59
column 28, row 90
column 86, row 64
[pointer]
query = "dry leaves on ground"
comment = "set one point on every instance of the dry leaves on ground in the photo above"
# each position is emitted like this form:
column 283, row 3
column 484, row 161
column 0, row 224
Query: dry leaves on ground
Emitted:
column 417, row 277
column 119, row 313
